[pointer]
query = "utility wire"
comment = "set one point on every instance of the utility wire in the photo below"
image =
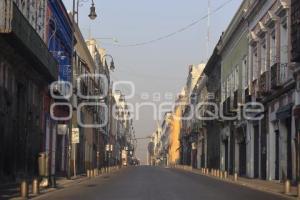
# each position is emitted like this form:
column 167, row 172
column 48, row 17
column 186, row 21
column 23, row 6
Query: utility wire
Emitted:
column 175, row 32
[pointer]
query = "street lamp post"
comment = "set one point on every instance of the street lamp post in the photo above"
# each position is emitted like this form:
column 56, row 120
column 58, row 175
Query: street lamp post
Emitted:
column 112, row 63
column 92, row 16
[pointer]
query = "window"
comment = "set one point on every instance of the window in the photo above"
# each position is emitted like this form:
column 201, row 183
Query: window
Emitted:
column 23, row 6
column 228, row 87
column 283, row 49
column 236, row 78
column 245, row 73
column 31, row 12
column 224, row 91
column 272, row 48
column 254, row 62
column 27, row 14
column 283, row 40
column 80, row 70
column 233, row 79
column 232, row 84
column 263, row 56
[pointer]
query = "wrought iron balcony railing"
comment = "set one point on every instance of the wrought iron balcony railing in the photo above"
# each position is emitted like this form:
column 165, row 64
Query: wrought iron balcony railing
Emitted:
column 285, row 73
column 280, row 74
column 263, row 84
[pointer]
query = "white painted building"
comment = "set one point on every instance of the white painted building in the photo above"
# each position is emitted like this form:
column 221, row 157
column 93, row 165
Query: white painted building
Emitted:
column 271, row 83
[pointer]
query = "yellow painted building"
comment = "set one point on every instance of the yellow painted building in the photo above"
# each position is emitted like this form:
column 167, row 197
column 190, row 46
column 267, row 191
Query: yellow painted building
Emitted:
column 174, row 137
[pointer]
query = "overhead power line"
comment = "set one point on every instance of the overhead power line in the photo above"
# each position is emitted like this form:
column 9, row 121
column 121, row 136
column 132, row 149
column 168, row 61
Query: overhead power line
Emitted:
column 177, row 31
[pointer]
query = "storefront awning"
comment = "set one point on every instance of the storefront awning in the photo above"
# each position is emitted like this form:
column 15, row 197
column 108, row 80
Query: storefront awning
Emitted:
column 284, row 111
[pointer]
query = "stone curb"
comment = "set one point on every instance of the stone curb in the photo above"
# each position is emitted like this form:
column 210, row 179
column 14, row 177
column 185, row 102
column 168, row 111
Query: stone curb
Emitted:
column 228, row 180
column 65, row 184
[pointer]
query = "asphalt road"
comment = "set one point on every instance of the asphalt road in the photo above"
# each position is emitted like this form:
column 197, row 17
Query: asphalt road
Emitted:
column 150, row 183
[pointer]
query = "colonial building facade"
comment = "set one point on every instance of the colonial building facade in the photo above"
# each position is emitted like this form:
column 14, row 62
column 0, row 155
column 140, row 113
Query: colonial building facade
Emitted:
column 42, row 53
column 295, row 34
column 213, row 84
column 26, row 70
column 234, row 57
column 272, row 84
column 257, row 64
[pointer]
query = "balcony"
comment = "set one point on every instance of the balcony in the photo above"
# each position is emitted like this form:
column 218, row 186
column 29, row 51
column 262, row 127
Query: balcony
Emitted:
column 275, row 83
column 280, row 74
column 19, row 34
column 263, row 84
column 286, row 74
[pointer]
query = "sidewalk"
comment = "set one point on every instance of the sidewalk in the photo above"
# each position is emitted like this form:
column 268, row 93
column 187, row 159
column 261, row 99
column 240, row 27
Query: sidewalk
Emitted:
column 12, row 191
column 274, row 187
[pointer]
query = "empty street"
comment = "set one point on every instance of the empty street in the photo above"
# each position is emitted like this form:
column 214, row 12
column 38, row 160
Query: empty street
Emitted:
column 154, row 183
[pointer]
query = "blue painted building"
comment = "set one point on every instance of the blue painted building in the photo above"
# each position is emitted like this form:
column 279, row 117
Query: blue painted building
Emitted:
column 59, row 35
column 59, row 40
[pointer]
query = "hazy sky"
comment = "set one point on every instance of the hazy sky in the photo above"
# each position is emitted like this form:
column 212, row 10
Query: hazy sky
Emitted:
column 158, row 67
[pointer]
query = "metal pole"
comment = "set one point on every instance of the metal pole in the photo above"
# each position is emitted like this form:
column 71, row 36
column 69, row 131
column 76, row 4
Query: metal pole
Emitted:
column 69, row 154
column 35, row 187
column 74, row 161
column 225, row 175
column 287, row 186
column 235, row 177
column 24, row 189
column 77, row 13
column 108, row 163
column 221, row 175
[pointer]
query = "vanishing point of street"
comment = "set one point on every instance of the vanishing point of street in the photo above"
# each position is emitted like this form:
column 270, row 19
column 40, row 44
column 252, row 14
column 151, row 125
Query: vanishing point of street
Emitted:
column 155, row 183
column 150, row 100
